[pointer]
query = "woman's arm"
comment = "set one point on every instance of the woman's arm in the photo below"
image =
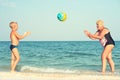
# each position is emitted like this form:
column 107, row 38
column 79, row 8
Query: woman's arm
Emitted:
column 88, row 34
column 96, row 36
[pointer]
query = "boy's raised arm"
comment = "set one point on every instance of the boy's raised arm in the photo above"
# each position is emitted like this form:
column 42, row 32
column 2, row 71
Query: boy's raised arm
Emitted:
column 22, row 36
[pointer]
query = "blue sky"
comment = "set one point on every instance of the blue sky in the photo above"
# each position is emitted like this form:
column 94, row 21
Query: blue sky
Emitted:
column 40, row 17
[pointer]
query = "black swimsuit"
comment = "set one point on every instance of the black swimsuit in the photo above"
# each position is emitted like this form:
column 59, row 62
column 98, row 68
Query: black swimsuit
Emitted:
column 107, row 40
column 12, row 47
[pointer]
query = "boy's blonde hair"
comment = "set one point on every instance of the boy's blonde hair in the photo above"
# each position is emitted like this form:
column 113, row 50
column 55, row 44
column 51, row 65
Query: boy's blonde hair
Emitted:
column 12, row 23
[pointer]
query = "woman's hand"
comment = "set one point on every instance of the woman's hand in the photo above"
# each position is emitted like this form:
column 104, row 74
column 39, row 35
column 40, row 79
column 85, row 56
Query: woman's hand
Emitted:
column 87, row 32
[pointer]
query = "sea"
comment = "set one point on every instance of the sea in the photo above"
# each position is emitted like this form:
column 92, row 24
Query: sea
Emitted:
column 72, row 57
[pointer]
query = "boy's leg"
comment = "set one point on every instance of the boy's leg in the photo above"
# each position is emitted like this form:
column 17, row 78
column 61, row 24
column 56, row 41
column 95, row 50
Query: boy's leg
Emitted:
column 105, row 53
column 17, row 56
column 12, row 60
column 110, row 61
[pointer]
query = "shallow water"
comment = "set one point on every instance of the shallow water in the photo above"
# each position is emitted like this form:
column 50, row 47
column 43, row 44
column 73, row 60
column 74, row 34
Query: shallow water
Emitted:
column 58, row 56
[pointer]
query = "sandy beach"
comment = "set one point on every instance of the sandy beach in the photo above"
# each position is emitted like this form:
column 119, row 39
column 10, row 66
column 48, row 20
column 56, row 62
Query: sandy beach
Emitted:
column 54, row 76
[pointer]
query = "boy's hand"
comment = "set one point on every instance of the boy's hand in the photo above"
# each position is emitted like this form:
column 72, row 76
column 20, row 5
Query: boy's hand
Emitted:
column 27, row 33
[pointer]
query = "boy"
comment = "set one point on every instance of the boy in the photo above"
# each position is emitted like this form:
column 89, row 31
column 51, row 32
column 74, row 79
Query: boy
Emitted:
column 15, row 37
column 103, row 34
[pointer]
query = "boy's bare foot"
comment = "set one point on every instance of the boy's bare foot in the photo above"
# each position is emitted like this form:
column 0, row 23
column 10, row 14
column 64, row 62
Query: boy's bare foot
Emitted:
column 12, row 71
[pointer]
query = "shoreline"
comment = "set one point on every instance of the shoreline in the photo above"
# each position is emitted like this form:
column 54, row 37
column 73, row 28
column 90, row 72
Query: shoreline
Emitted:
column 55, row 76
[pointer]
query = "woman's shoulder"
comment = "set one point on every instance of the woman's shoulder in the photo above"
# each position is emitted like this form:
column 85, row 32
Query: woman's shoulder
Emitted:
column 106, row 30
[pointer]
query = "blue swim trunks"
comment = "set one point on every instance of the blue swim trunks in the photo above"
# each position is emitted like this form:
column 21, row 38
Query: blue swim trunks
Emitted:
column 12, row 47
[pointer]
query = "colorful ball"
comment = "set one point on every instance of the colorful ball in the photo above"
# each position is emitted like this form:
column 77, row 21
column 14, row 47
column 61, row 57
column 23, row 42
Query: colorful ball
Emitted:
column 62, row 16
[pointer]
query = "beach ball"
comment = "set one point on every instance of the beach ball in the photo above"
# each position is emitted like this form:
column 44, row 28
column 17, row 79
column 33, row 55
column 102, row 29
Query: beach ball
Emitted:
column 62, row 16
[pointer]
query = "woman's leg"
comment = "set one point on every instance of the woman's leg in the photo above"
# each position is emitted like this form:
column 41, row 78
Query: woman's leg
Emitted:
column 110, row 61
column 104, row 55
